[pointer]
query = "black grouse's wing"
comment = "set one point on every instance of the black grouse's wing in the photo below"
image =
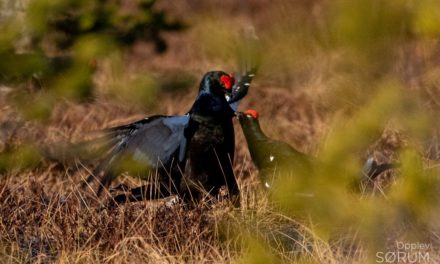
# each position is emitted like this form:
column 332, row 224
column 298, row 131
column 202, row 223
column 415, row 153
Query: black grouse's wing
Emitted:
column 291, row 157
column 248, row 61
column 372, row 169
column 103, row 143
column 240, row 88
column 151, row 142
column 158, row 140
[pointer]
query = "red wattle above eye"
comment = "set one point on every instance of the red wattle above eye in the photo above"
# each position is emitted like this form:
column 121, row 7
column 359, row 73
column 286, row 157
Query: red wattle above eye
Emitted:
column 227, row 81
column 252, row 113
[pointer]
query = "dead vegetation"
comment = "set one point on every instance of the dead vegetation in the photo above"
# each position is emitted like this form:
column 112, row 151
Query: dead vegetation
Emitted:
column 45, row 217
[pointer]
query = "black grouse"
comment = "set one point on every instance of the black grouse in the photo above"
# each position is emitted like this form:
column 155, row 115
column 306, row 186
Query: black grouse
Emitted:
column 272, row 156
column 189, row 154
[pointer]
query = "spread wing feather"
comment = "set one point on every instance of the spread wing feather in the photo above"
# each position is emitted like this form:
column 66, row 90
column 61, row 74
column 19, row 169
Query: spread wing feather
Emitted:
column 249, row 59
column 241, row 87
column 154, row 141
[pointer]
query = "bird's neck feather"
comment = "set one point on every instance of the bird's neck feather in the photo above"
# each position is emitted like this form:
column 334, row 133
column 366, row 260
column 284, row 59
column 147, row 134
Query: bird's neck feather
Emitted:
column 253, row 132
column 210, row 105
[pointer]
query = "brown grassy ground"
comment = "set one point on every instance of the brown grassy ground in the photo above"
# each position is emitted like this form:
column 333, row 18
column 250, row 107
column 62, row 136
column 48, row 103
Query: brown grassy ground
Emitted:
column 44, row 217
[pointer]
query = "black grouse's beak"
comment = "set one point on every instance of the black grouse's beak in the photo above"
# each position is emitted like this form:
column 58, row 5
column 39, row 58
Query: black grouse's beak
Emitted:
column 241, row 116
column 228, row 95
column 238, row 92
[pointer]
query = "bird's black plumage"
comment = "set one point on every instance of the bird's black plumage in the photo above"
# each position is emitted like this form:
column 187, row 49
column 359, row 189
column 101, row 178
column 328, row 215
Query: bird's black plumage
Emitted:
column 211, row 142
column 372, row 169
column 152, row 146
column 272, row 155
column 190, row 154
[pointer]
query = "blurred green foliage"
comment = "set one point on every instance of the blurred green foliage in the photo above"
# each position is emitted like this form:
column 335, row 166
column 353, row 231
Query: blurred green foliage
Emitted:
column 56, row 45
column 50, row 50
column 257, row 253
column 19, row 158
column 372, row 64
column 62, row 23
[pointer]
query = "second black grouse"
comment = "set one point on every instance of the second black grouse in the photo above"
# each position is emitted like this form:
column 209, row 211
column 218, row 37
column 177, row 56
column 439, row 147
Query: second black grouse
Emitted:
column 273, row 157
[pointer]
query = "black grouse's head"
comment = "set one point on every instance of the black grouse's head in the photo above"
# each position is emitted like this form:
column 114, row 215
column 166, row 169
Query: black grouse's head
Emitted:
column 248, row 117
column 217, row 83
column 250, row 125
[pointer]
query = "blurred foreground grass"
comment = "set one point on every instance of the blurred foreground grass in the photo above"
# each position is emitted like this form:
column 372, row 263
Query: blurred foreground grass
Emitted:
column 335, row 76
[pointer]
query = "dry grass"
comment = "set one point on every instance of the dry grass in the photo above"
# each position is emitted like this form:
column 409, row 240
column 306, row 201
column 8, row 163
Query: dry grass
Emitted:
column 44, row 217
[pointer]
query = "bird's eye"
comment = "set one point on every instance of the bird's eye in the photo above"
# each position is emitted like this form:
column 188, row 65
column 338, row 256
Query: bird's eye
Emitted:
column 227, row 81
column 251, row 113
